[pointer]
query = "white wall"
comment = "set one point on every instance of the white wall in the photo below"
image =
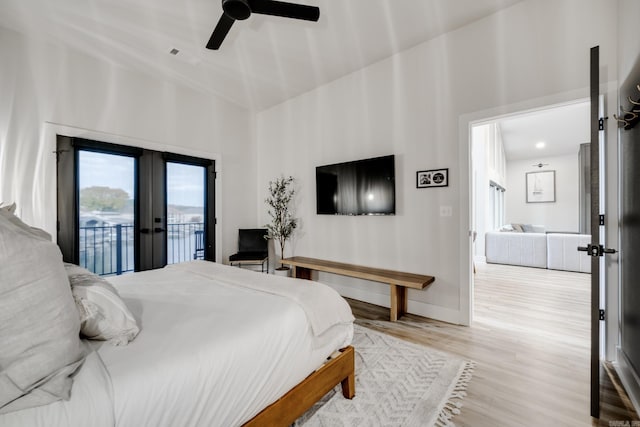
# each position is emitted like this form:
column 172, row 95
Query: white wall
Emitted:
column 561, row 215
column 489, row 165
column 480, row 189
column 410, row 105
column 46, row 83
column 628, row 58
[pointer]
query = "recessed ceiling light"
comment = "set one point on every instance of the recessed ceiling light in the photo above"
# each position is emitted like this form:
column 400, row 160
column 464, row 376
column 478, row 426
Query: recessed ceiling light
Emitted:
column 540, row 144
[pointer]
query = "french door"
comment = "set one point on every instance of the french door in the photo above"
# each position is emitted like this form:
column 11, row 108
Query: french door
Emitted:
column 106, row 217
column 126, row 209
column 186, row 202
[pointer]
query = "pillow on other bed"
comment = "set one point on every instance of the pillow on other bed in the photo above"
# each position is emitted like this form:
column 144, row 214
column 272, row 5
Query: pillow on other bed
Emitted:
column 517, row 228
column 103, row 314
column 39, row 326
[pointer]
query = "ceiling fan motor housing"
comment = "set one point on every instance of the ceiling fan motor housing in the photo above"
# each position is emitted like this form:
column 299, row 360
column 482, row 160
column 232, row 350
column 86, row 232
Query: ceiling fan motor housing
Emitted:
column 237, row 9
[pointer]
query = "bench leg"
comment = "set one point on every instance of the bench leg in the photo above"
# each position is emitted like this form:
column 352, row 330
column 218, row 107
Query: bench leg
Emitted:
column 398, row 301
column 302, row 273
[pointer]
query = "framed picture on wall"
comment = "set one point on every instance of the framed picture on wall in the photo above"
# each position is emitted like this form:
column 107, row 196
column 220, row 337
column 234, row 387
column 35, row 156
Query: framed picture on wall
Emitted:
column 432, row 178
column 541, row 187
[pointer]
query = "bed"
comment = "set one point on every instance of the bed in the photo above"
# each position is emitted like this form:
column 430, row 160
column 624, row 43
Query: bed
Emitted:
column 217, row 346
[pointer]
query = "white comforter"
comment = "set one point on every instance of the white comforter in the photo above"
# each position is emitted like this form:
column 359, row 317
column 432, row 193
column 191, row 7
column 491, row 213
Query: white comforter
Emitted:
column 217, row 345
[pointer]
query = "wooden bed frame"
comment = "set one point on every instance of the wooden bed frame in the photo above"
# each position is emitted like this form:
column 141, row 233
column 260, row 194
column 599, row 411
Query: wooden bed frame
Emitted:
column 296, row 401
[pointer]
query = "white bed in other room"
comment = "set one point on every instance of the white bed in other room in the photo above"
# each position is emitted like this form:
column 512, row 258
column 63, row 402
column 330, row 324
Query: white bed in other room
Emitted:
column 217, row 345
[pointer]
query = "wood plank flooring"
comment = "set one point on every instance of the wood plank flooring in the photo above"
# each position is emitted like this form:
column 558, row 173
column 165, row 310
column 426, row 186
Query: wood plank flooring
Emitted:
column 530, row 340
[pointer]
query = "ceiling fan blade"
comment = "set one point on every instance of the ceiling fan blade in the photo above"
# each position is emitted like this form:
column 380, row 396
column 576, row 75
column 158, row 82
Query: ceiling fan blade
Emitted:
column 286, row 10
column 220, row 32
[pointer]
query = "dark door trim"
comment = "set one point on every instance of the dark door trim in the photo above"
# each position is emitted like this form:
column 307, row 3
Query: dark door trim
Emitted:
column 150, row 198
column 595, row 230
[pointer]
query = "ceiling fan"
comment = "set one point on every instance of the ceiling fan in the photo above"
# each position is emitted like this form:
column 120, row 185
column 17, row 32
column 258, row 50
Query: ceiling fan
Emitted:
column 239, row 10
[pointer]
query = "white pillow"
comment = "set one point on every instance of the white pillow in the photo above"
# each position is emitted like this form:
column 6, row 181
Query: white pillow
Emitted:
column 103, row 314
column 9, row 208
column 9, row 213
column 40, row 347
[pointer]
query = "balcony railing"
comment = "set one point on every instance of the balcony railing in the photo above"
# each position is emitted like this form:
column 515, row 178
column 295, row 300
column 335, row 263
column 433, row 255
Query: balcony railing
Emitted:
column 107, row 250
column 185, row 242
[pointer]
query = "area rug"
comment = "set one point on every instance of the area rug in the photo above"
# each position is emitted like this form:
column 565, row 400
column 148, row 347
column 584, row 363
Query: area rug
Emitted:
column 397, row 384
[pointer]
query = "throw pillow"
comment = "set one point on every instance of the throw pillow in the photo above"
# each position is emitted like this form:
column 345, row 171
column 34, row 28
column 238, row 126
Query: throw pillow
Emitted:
column 9, row 213
column 39, row 327
column 103, row 314
column 518, row 228
column 9, row 208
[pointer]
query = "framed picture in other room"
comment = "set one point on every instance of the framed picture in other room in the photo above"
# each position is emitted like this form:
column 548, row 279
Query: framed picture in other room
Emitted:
column 541, row 187
column 432, row 178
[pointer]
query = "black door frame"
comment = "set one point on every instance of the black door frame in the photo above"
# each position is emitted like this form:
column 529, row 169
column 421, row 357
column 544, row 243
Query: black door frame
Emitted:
column 595, row 229
column 210, row 192
column 150, row 170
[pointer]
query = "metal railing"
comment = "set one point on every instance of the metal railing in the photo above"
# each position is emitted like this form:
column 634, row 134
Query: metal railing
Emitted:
column 185, row 241
column 107, row 250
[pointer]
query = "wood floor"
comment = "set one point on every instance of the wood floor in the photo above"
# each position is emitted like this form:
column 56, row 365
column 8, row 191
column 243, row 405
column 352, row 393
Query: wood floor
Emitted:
column 530, row 341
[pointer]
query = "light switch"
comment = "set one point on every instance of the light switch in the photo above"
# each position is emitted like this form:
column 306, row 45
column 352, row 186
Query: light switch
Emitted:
column 446, row 211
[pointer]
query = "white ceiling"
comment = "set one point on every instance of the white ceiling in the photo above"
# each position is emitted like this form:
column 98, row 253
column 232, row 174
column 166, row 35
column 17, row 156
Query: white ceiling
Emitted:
column 561, row 128
column 264, row 60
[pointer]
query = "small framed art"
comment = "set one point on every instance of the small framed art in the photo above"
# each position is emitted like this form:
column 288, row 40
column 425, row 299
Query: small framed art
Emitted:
column 541, row 187
column 432, row 178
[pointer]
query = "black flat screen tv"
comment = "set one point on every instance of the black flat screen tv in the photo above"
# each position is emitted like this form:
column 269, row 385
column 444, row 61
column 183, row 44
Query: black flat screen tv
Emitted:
column 362, row 187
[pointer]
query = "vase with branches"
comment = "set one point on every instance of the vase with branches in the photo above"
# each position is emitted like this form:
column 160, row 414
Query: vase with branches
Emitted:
column 283, row 223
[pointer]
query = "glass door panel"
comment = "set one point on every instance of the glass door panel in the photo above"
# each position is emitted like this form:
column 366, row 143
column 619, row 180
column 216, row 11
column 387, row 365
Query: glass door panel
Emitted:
column 186, row 196
column 106, row 204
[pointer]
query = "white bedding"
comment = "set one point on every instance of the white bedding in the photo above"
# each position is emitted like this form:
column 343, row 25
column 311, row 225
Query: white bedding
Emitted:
column 217, row 345
column 91, row 400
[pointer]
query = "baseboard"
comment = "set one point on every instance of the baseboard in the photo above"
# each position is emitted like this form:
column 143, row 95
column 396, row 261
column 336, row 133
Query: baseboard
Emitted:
column 361, row 295
column 414, row 307
column 436, row 312
column 629, row 379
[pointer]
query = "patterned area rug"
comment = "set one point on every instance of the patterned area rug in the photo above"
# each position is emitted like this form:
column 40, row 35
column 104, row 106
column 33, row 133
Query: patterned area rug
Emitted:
column 397, row 384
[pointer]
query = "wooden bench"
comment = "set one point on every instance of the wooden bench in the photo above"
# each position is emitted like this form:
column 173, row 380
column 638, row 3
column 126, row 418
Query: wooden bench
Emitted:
column 398, row 281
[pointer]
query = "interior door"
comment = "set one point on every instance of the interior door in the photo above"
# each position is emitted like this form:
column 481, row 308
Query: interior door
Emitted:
column 595, row 231
column 596, row 249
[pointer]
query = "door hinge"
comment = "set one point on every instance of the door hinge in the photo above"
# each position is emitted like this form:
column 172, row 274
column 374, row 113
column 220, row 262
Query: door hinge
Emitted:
column 215, row 174
column 58, row 153
column 601, row 123
column 601, row 219
column 601, row 314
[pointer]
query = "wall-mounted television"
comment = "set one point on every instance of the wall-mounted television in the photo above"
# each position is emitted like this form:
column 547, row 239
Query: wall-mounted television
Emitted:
column 361, row 187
